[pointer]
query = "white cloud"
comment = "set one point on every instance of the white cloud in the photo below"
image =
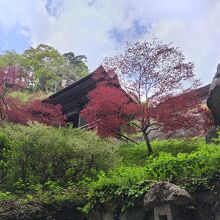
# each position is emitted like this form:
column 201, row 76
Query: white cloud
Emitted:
column 199, row 39
column 83, row 26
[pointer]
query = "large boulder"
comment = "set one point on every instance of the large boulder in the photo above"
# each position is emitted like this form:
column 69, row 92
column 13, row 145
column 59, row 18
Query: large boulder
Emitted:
column 165, row 192
column 213, row 101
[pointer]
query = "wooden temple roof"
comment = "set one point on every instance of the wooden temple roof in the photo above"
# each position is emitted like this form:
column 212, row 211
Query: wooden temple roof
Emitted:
column 203, row 92
column 74, row 97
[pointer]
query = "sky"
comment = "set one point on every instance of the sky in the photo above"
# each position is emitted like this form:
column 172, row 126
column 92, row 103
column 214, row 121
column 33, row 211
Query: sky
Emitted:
column 100, row 28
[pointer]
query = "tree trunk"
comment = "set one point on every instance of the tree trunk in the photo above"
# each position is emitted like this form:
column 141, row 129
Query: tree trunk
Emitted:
column 147, row 141
column 125, row 137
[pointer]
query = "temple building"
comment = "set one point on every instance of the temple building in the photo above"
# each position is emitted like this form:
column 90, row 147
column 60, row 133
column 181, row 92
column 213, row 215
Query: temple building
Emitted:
column 203, row 92
column 74, row 98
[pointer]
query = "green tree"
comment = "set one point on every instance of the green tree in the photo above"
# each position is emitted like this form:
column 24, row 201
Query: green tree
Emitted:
column 12, row 60
column 47, row 69
column 46, row 65
column 78, row 63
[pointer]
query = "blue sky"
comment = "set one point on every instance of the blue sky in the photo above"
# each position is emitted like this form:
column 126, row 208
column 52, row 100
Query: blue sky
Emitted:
column 99, row 28
column 13, row 39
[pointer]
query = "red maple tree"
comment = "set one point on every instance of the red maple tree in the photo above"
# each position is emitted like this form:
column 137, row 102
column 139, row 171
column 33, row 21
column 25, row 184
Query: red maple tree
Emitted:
column 11, row 79
column 152, row 74
column 35, row 111
column 13, row 110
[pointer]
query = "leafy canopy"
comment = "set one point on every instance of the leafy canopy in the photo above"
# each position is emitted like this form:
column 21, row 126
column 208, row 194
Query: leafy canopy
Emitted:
column 48, row 70
column 12, row 109
column 151, row 75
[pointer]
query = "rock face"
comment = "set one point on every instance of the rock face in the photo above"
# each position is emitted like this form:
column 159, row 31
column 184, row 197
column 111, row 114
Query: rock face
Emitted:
column 213, row 101
column 165, row 192
column 15, row 210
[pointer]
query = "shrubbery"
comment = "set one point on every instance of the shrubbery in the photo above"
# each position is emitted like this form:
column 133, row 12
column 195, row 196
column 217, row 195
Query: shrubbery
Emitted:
column 67, row 166
column 136, row 154
column 126, row 184
column 37, row 154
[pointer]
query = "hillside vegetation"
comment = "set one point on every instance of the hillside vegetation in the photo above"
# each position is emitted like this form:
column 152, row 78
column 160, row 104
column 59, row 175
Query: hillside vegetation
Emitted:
column 69, row 166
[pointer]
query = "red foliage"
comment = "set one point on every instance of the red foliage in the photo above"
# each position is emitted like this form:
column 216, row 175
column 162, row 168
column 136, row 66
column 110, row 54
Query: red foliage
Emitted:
column 15, row 111
column 35, row 110
column 11, row 109
column 152, row 74
column 11, row 78
column 182, row 115
column 109, row 108
column 46, row 113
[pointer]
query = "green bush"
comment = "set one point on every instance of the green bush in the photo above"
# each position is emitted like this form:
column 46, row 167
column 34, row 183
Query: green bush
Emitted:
column 136, row 154
column 39, row 153
column 188, row 170
column 120, row 187
column 6, row 196
column 51, row 193
column 4, row 153
column 125, row 185
column 65, row 166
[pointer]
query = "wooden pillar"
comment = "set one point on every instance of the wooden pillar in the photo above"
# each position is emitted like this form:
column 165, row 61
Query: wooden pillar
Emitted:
column 81, row 121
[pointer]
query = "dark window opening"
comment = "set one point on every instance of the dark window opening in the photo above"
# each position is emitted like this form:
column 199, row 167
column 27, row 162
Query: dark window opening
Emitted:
column 74, row 119
column 163, row 217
